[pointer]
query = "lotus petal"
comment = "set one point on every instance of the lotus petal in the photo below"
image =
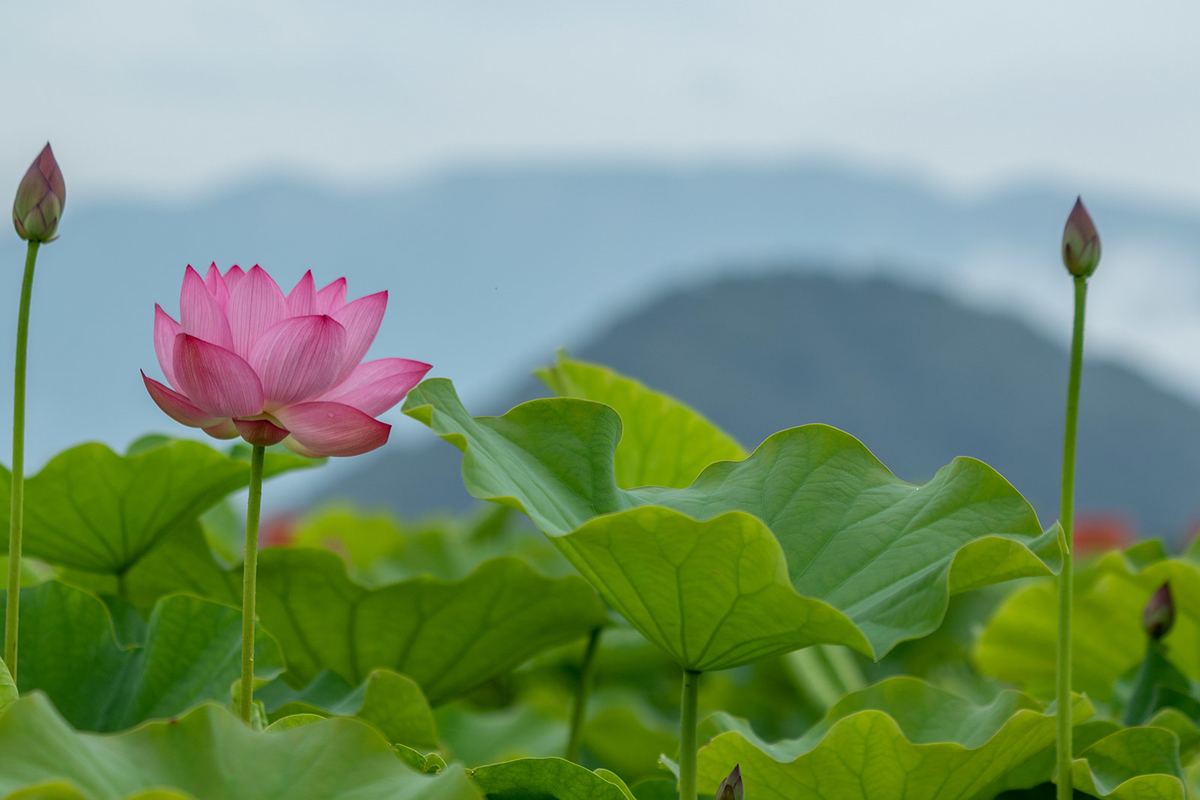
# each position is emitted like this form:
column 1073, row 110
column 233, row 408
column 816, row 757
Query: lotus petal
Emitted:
column 225, row 430
column 375, row 386
column 165, row 331
column 332, row 297
column 260, row 432
column 333, row 429
column 216, row 286
column 217, row 381
column 233, row 276
column 361, row 320
column 178, row 407
column 200, row 314
column 255, row 306
column 302, row 300
column 298, row 358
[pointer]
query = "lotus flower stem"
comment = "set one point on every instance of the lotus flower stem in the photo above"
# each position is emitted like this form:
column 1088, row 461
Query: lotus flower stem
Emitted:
column 17, row 511
column 1065, row 578
column 687, row 736
column 250, row 579
column 587, row 673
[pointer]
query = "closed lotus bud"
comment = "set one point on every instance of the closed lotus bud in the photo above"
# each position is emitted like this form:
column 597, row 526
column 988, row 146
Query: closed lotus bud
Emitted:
column 1159, row 614
column 1081, row 243
column 731, row 787
column 40, row 199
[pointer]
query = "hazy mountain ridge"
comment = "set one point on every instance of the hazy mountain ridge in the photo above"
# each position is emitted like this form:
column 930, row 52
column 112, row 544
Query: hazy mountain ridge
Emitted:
column 491, row 268
column 918, row 378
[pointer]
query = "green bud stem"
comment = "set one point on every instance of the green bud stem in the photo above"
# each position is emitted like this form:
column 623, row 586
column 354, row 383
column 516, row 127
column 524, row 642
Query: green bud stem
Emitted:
column 587, row 672
column 16, row 518
column 1153, row 671
column 250, row 579
column 1065, row 578
column 687, row 735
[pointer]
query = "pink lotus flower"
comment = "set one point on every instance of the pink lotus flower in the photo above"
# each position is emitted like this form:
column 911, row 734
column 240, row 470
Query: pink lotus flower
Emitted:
column 244, row 360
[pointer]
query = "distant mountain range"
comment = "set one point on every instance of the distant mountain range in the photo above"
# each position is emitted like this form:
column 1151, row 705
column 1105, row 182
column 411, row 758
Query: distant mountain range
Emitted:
column 490, row 269
column 918, row 378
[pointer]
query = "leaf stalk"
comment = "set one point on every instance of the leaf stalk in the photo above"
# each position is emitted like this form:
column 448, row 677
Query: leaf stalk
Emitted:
column 1066, row 578
column 687, row 735
column 250, row 580
column 587, row 674
column 16, row 518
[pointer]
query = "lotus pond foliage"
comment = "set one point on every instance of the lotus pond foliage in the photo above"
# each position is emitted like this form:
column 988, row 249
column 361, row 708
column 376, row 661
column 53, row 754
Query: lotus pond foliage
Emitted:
column 644, row 607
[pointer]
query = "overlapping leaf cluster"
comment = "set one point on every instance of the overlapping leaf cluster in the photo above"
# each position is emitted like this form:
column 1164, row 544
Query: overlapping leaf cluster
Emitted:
column 130, row 624
column 809, row 540
column 442, row 658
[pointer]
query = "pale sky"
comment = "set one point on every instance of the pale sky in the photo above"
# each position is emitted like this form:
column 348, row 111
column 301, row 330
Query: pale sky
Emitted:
column 186, row 97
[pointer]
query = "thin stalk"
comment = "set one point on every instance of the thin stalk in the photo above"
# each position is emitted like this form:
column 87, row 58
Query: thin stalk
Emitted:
column 250, row 579
column 1065, row 578
column 587, row 672
column 16, row 518
column 687, row 736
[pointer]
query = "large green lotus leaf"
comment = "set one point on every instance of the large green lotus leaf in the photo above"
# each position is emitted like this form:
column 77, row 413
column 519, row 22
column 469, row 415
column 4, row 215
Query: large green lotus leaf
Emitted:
column 547, row 779
column 883, row 553
column 308, row 601
column 380, row 548
column 33, row 571
column 664, row 442
column 392, row 702
column 1107, row 640
column 447, row 636
column 713, row 594
column 8, row 689
column 210, row 754
column 824, row 674
column 448, row 549
column 628, row 740
column 1131, row 764
column 57, row 790
column 654, row 789
column 92, row 509
column 181, row 562
column 1184, row 728
column 191, row 653
column 1192, row 772
column 902, row 739
column 523, row 730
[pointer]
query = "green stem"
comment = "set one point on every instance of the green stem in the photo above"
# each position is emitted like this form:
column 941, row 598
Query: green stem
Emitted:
column 250, row 578
column 1065, row 578
column 16, row 518
column 587, row 671
column 687, row 736
column 1145, row 686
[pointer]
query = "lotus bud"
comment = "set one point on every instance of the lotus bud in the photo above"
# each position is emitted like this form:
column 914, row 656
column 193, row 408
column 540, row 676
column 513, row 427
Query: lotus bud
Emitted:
column 1159, row 614
column 1081, row 243
column 731, row 787
column 40, row 199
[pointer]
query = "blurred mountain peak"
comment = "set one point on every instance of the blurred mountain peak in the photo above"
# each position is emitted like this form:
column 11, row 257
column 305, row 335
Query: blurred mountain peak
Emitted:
column 917, row 377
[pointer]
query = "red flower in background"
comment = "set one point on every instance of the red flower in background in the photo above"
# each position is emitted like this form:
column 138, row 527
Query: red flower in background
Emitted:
column 1098, row 533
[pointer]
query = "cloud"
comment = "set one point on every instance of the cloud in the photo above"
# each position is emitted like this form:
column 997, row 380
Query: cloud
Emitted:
column 177, row 98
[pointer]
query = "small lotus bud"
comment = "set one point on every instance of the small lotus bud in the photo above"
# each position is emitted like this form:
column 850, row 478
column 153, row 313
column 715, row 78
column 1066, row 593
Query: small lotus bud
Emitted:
column 1159, row 613
column 1081, row 243
column 40, row 199
column 731, row 787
